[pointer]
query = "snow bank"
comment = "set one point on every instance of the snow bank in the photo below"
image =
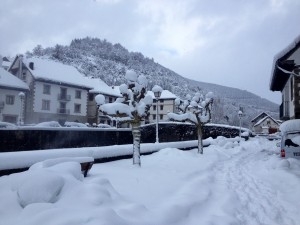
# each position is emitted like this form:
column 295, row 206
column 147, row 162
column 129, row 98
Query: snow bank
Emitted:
column 245, row 184
column 40, row 187
column 43, row 185
column 24, row 159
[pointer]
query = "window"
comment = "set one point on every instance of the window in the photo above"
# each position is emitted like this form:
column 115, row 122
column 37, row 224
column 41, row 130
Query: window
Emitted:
column 91, row 97
column 46, row 105
column 154, row 117
column 9, row 119
column 161, row 107
column 77, row 108
column 24, row 76
column 154, row 107
column 62, row 108
column 78, row 94
column 10, row 99
column 161, row 116
column 63, row 93
column 46, row 89
column 161, row 100
column 110, row 100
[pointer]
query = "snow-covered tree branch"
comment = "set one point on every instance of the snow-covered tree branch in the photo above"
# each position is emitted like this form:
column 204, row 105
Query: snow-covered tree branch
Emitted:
column 196, row 110
column 133, row 107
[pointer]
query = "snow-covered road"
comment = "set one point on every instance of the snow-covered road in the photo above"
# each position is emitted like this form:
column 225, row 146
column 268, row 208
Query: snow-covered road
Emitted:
column 230, row 184
column 256, row 200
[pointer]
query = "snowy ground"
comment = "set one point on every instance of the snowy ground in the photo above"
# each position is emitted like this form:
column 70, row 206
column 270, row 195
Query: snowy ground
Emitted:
column 231, row 183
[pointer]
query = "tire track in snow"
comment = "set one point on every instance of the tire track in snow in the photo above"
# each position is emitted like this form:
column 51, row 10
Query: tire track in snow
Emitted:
column 258, row 201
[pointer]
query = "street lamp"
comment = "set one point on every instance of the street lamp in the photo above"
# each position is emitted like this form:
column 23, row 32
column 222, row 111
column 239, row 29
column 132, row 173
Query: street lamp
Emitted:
column 240, row 117
column 157, row 90
column 22, row 97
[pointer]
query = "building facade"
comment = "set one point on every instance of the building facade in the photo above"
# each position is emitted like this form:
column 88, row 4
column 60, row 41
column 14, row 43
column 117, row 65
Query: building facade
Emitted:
column 265, row 124
column 13, row 92
column 165, row 104
column 286, row 79
column 56, row 91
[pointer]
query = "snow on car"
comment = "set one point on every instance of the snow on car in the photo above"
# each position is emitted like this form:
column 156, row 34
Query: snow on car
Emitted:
column 290, row 141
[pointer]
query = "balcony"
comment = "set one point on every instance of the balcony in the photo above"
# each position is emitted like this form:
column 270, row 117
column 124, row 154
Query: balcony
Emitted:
column 62, row 97
column 63, row 111
column 2, row 105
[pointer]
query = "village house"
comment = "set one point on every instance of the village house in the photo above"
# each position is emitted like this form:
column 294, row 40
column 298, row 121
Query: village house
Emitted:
column 285, row 78
column 265, row 124
column 5, row 62
column 56, row 91
column 13, row 92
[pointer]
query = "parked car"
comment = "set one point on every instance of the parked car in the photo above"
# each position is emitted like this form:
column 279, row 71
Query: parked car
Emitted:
column 102, row 125
column 5, row 125
column 75, row 124
column 48, row 124
column 290, row 140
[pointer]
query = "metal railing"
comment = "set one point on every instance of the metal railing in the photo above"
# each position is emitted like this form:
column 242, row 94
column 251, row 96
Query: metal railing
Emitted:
column 63, row 111
column 62, row 97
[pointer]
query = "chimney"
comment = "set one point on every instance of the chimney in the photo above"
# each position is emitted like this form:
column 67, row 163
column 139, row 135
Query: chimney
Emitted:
column 31, row 65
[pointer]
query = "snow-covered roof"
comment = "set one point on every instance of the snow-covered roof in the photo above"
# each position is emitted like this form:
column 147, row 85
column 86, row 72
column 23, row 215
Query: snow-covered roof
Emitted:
column 11, row 81
column 50, row 70
column 164, row 95
column 263, row 113
column 290, row 125
column 288, row 49
column 278, row 77
column 6, row 64
column 100, row 86
column 263, row 119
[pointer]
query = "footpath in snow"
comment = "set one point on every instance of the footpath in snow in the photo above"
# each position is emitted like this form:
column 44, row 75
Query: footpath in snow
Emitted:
column 231, row 183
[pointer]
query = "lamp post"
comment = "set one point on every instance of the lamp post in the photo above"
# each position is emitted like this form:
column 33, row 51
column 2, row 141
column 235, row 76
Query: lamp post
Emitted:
column 157, row 90
column 240, row 117
column 22, row 97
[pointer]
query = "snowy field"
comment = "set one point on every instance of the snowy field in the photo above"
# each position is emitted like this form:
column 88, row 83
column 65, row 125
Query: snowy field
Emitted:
column 231, row 183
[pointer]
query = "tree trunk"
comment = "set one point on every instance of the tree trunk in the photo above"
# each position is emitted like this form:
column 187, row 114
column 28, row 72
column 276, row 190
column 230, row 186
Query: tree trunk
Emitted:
column 136, row 133
column 200, row 142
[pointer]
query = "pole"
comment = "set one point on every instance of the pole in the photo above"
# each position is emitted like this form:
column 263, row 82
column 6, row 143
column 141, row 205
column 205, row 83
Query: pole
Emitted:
column 157, row 139
column 21, row 119
column 240, row 126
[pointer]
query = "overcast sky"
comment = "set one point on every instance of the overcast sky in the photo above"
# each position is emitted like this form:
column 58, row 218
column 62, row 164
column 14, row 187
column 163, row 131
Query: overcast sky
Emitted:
column 227, row 42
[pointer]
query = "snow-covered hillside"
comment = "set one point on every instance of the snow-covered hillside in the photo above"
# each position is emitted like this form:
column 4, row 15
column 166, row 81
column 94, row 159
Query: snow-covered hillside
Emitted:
column 100, row 58
column 230, row 184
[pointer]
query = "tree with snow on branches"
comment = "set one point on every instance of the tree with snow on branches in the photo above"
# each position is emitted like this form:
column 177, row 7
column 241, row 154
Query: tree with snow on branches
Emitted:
column 132, row 107
column 196, row 110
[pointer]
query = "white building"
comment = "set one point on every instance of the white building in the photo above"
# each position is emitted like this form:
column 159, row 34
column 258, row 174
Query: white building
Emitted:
column 286, row 79
column 166, row 104
column 12, row 94
column 5, row 63
column 57, row 91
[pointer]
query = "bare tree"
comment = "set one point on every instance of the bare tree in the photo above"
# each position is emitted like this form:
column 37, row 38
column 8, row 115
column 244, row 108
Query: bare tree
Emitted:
column 196, row 110
column 132, row 107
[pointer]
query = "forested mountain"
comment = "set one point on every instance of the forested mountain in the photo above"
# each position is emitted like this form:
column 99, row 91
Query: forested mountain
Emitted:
column 100, row 58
